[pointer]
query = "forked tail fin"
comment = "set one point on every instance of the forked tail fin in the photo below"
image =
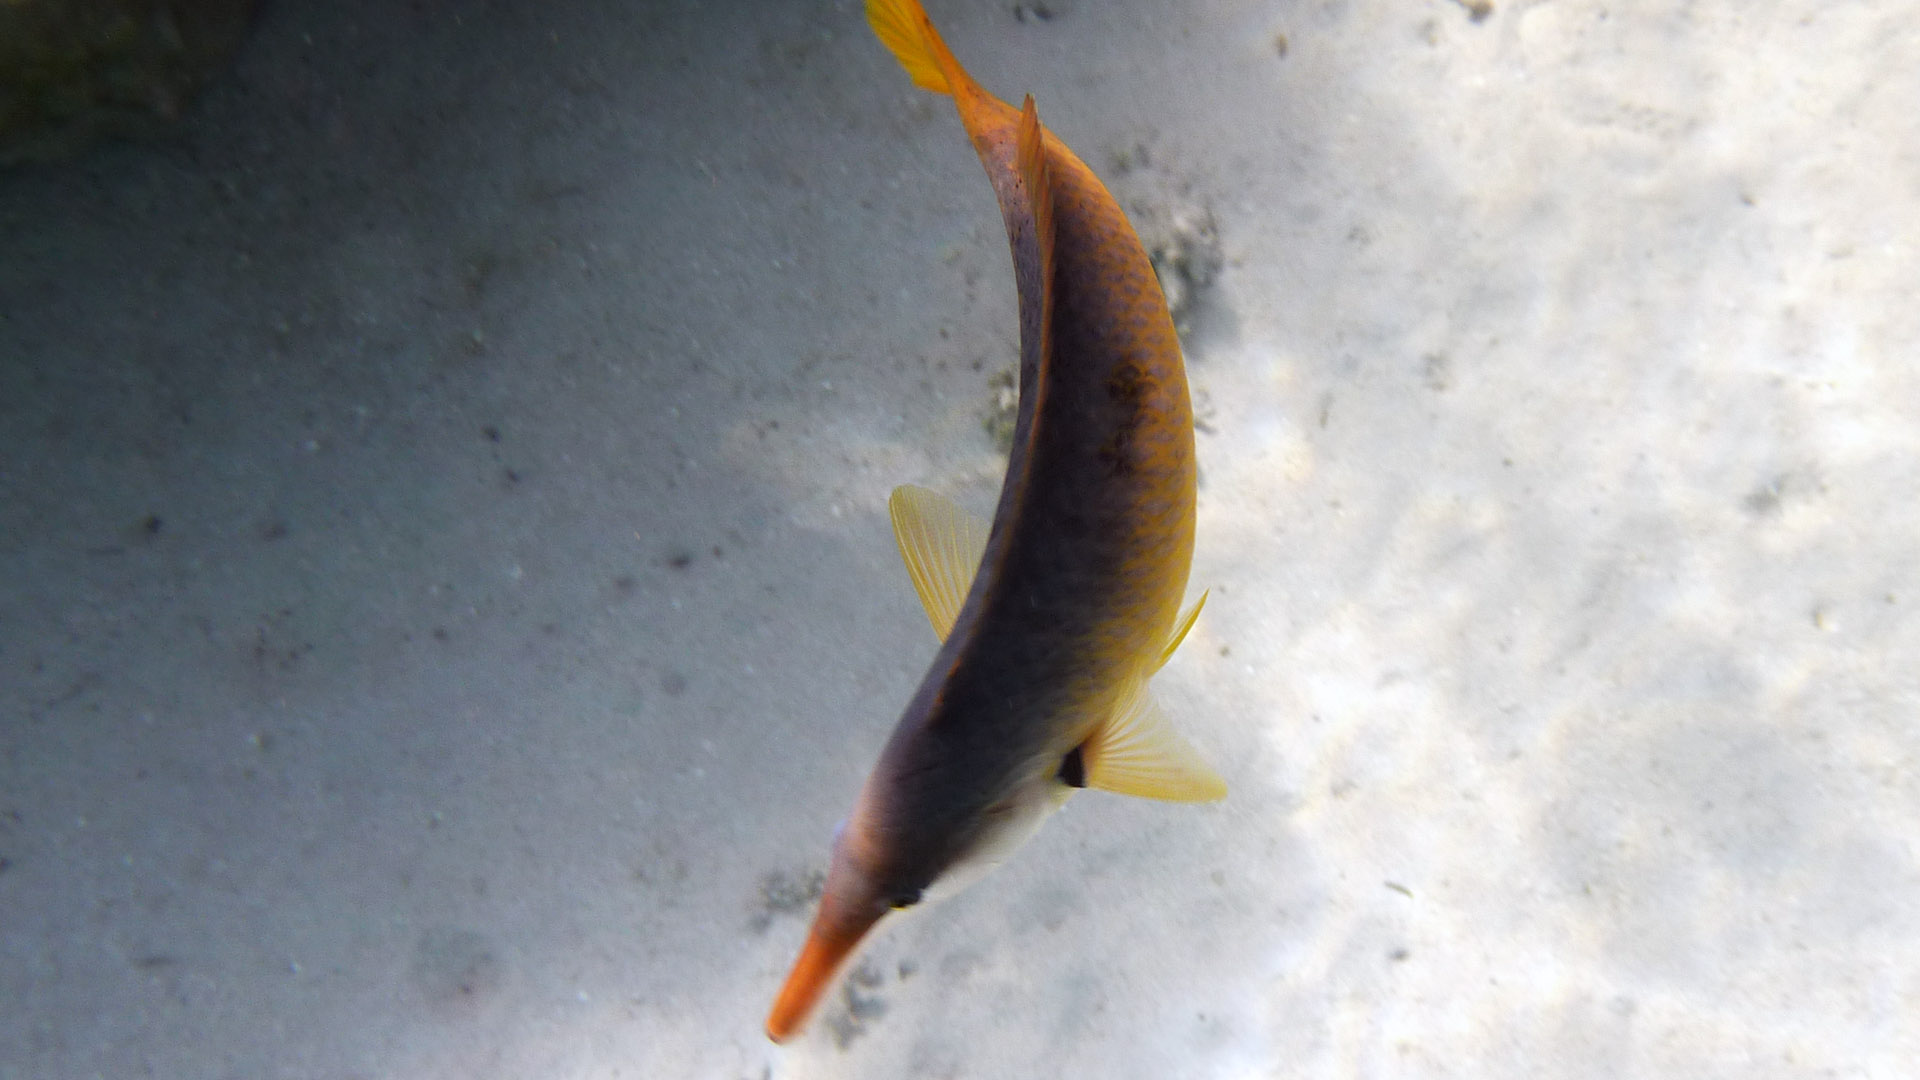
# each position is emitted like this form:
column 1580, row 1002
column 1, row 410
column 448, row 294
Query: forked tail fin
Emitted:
column 903, row 26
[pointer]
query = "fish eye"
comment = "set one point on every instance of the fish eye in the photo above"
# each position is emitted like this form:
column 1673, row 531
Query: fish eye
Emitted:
column 905, row 899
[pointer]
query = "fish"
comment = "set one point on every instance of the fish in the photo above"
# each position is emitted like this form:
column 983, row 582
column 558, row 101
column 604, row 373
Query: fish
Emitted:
column 1053, row 618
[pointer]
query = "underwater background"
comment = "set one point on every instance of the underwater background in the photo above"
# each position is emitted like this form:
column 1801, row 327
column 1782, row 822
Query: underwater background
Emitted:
column 447, row 600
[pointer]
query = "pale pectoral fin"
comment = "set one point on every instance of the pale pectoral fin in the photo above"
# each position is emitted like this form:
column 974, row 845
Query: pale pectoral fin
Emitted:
column 941, row 545
column 1180, row 630
column 1137, row 752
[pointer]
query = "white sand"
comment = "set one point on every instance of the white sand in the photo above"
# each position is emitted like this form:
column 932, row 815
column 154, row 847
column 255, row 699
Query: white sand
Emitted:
column 517, row 398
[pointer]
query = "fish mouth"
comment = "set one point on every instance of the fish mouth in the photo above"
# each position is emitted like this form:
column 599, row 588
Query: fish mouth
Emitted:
column 837, row 931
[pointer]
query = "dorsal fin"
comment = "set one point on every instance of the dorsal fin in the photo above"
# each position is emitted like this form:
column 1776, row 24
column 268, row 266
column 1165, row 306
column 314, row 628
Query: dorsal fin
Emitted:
column 941, row 545
column 1035, row 177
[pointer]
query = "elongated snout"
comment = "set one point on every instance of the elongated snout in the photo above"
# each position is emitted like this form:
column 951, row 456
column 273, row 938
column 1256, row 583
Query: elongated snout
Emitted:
column 849, row 908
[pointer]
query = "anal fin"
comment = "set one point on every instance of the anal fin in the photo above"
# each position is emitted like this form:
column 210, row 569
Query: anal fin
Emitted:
column 1180, row 630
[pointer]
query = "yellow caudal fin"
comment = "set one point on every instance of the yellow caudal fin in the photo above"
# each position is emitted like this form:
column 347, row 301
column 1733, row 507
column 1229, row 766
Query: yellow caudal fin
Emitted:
column 903, row 27
column 1180, row 630
column 1137, row 752
column 941, row 545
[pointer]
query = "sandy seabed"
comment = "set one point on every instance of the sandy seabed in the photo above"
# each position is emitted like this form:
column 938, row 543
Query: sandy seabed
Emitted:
column 448, row 600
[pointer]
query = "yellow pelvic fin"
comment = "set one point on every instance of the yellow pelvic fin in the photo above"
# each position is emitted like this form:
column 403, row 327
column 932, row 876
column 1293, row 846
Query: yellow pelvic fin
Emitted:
column 1137, row 752
column 903, row 27
column 1180, row 630
column 941, row 545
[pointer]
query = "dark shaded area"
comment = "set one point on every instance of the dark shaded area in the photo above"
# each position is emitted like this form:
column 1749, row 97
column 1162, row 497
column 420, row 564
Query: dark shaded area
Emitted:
column 72, row 70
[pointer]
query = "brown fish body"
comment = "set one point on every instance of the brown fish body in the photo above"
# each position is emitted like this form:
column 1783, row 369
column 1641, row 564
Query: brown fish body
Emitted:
column 1078, row 588
column 1087, row 560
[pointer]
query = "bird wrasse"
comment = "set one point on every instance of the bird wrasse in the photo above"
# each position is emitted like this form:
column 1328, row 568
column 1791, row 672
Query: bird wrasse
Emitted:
column 1053, row 619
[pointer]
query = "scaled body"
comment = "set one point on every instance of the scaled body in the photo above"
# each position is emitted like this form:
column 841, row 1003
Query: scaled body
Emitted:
column 1040, row 684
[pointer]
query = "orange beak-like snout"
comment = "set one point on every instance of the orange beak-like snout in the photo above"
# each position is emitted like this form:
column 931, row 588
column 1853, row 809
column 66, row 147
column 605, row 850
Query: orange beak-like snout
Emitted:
column 837, row 930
